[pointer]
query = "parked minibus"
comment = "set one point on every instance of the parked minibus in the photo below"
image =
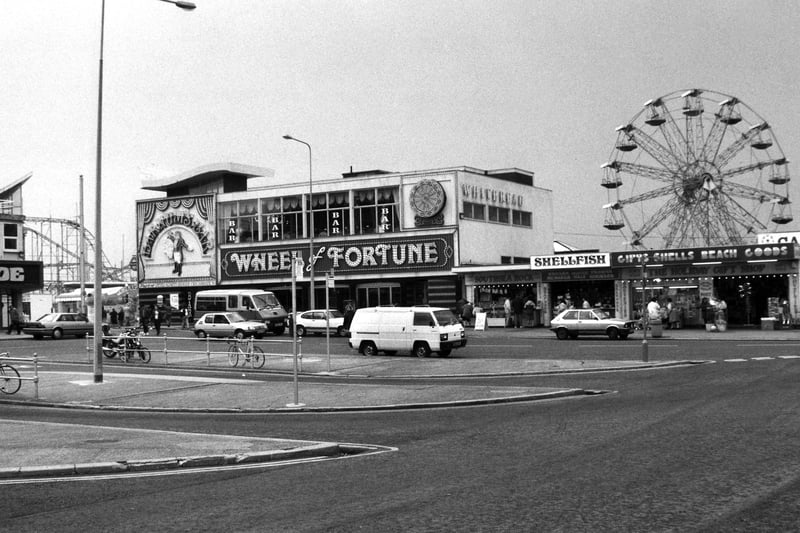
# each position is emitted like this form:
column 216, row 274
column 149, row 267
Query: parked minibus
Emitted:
column 253, row 304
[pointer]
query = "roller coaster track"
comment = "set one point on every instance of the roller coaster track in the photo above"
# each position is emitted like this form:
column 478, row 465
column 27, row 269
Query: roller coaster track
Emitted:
column 56, row 243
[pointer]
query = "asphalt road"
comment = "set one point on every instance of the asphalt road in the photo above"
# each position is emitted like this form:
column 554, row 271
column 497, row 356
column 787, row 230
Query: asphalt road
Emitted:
column 699, row 448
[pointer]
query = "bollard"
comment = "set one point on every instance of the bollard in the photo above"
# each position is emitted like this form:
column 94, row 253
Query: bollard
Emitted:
column 166, row 357
column 208, row 350
column 300, row 352
column 36, row 376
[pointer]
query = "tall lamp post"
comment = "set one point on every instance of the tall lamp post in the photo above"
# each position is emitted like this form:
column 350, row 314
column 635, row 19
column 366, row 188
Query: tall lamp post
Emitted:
column 311, row 223
column 98, row 246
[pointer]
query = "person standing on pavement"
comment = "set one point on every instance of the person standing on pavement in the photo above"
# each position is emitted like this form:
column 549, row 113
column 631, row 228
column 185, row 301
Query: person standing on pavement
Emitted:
column 507, row 309
column 467, row 313
column 654, row 311
column 14, row 322
column 157, row 320
column 518, row 306
column 185, row 317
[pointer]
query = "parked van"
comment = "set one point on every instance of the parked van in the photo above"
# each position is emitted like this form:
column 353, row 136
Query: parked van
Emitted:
column 252, row 304
column 419, row 329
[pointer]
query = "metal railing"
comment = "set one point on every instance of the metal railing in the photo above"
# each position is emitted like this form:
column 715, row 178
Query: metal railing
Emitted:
column 209, row 349
column 35, row 360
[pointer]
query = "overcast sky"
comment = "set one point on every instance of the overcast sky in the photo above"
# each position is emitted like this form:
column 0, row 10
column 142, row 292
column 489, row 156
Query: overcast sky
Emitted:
column 395, row 85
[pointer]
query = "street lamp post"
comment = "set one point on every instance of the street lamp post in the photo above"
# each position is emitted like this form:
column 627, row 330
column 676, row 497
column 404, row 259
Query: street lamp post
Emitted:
column 98, row 202
column 310, row 225
column 645, row 314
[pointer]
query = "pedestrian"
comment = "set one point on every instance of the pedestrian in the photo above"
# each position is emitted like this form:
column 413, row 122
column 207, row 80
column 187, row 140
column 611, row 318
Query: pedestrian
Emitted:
column 507, row 310
column 518, row 306
column 786, row 313
column 113, row 317
column 121, row 317
column 349, row 312
column 14, row 322
column 157, row 315
column 586, row 304
column 185, row 317
column 467, row 313
column 654, row 310
column 674, row 318
column 668, row 312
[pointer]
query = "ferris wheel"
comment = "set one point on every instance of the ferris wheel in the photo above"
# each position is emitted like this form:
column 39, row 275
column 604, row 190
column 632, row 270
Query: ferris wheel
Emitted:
column 695, row 168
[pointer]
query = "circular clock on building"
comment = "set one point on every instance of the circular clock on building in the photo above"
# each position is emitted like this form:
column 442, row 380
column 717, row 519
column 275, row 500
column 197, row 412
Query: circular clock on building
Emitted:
column 427, row 198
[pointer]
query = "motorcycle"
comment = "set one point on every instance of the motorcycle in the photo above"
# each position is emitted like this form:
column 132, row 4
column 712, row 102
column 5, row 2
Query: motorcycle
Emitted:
column 127, row 344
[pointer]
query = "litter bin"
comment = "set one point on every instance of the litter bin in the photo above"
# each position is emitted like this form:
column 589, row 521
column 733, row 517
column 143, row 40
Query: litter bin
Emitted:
column 656, row 329
column 768, row 322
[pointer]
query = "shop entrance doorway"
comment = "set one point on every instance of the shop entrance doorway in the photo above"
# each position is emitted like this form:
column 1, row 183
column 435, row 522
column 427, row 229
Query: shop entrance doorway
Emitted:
column 374, row 294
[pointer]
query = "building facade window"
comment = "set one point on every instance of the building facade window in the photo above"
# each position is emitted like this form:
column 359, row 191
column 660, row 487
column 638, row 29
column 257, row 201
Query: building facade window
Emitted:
column 331, row 214
column 239, row 221
column 499, row 214
column 474, row 211
column 281, row 218
column 11, row 240
column 376, row 210
column 521, row 218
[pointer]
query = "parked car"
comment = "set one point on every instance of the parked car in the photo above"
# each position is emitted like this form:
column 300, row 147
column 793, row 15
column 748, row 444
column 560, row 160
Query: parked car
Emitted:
column 574, row 322
column 228, row 325
column 315, row 321
column 57, row 325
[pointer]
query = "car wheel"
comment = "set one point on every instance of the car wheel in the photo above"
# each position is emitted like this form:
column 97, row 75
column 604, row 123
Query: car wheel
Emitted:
column 58, row 333
column 200, row 334
column 301, row 331
column 562, row 334
column 613, row 333
column 421, row 349
column 239, row 334
column 339, row 331
column 369, row 349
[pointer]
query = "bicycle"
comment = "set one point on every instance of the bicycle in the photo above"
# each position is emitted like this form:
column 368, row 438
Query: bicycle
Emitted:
column 250, row 354
column 10, row 381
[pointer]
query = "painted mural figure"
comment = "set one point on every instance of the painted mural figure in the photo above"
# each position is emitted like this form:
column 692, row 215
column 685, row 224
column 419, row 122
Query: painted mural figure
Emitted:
column 174, row 248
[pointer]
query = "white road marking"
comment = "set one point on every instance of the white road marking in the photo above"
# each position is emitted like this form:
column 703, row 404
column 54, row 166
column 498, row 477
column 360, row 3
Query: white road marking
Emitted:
column 789, row 356
column 735, row 360
column 762, row 358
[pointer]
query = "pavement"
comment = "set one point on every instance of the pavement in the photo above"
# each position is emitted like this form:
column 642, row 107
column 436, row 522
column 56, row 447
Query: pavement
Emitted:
column 37, row 450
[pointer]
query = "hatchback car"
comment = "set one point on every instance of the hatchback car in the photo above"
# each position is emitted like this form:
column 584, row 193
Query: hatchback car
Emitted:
column 574, row 322
column 228, row 325
column 316, row 320
column 57, row 325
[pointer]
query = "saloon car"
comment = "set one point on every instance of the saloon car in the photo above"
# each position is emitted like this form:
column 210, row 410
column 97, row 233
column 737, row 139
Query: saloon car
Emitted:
column 316, row 320
column 57, row 325
column 228, row 325
column 573, row 322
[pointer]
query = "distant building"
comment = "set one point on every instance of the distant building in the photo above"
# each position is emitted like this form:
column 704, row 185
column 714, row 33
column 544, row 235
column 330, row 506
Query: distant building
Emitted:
column 17, row 276
column 387, row 237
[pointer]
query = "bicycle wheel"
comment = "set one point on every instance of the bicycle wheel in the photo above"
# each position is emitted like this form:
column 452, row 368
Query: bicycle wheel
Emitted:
column 144, row 354
column 233, row 355
column 9, row 379
column 257, row 357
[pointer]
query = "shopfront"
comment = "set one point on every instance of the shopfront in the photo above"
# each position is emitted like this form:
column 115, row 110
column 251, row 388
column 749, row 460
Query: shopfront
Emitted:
column 578, row 279
column 488, row 288
column 751, row 279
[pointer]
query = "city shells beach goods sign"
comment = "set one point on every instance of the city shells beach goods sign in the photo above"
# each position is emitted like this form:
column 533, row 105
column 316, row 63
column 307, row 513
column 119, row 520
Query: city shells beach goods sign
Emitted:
column 374, row 256
column 176, row 243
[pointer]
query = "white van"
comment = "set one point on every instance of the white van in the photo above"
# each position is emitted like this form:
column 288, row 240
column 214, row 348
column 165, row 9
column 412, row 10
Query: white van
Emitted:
column 252, row 304
column 419, row 329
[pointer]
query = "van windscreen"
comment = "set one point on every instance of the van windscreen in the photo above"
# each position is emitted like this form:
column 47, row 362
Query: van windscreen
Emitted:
column 265, row 300
column 445, row 317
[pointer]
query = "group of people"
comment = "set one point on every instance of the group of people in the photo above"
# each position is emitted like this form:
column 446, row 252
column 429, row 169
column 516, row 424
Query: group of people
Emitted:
column 669, row 315
column 519, row 311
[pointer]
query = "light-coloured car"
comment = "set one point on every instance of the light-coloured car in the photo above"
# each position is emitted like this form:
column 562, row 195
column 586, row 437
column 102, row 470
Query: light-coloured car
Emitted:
column 316, row 320
column 58, row 325
column 228, row 325
column 573, row 322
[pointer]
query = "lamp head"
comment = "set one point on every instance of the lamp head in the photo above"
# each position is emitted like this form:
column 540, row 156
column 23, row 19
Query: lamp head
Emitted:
column 289, row 137
column 185, row 5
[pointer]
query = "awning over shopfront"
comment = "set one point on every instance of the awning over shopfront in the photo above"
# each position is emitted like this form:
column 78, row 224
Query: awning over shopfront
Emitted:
column 111, row 296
